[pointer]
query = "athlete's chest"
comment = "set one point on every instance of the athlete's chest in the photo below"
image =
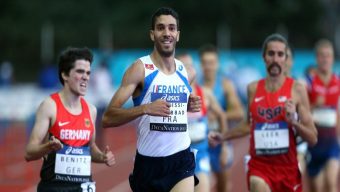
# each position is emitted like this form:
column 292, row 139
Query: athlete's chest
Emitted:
column 75, row 130
column 269, row 106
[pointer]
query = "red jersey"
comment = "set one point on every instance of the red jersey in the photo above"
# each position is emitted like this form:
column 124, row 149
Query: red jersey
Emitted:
column 272, row 139
column 325, row 116
column 73, row 130
column 72, row 163
column 199, row 92
column 331, row 91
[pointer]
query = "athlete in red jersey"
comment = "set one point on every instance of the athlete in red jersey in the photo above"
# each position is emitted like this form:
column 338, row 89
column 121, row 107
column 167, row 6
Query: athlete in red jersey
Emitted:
column 274, row 104
column 324, row 94
column 64, row 133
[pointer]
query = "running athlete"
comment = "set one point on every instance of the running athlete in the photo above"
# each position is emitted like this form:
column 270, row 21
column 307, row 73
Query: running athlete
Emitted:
column 64, row 133
column 324, row 93
column 160, row 87
column 221, row 156
column 198, row 128
column 275, row 103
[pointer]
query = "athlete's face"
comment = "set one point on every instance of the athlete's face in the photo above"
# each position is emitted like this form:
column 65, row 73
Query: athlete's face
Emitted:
column 209, row 63
column 78, row 78
column 325, row 58
column 165, row 35
column 275, row 58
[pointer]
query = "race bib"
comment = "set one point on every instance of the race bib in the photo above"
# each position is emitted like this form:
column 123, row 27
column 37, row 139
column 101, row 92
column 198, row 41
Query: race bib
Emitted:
column 177, row 121
column 325, row 117
column 271, row 138
column 197, row 130
column 73, row 164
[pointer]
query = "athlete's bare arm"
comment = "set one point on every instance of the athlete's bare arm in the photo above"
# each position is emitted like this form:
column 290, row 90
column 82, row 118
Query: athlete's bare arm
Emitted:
column 215, row 107
column 235, row 110
column 242, row 129
column 132, row 84
column 300, row 104
column 97, row 155
column 38, row 144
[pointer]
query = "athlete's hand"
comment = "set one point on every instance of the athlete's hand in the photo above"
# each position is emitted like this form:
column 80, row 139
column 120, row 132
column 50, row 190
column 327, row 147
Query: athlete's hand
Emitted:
column 54, row 144
column 108, row 158
column 157, row 108
column 215, row 138
column 194, row 104
column 290, row 108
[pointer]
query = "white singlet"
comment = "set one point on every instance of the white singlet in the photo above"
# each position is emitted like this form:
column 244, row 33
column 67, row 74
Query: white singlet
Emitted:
column 163, row 136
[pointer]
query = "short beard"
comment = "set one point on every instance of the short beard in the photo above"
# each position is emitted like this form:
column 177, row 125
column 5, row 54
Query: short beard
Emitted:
column 271, row 66
column 165, row 53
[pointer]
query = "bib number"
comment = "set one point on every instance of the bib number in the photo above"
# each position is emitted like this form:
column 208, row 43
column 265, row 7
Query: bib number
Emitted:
column 197, row 130
column 271, row 138
column 325, row 117
column 177, row 121
column 73, row 164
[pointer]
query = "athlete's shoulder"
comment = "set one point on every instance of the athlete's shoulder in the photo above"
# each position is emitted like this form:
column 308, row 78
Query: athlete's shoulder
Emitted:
column 48, row 107
column 253, row 85
column 50, row 101
column 135, row 71
column 139, row 64
column 92, row 109
column 298, row 86
column 90, row 105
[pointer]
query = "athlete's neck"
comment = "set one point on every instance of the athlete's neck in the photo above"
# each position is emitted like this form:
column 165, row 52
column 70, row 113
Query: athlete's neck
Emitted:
column 70, row 100
column 325, row 76
column 165, row 64
column 274, row 83
column 209, row 82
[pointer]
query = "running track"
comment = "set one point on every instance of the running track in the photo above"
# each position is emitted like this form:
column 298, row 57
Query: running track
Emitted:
column 18, row 175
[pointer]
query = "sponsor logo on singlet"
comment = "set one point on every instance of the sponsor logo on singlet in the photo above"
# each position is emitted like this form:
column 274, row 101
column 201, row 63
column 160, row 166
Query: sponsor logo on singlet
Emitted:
column 71, row 150
column 63, row 123
column 258, row 99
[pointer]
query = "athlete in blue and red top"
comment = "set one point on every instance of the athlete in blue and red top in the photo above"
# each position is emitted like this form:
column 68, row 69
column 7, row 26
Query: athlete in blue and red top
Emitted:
column 324, row 93
column 198, row 127
column 64, row 132
column 275, row 104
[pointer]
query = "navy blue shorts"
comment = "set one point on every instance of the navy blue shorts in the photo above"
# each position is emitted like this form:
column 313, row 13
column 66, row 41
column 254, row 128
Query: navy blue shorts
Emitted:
column 319, row 155
column 61, row 186
column 161, row 174
column 215, row 153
